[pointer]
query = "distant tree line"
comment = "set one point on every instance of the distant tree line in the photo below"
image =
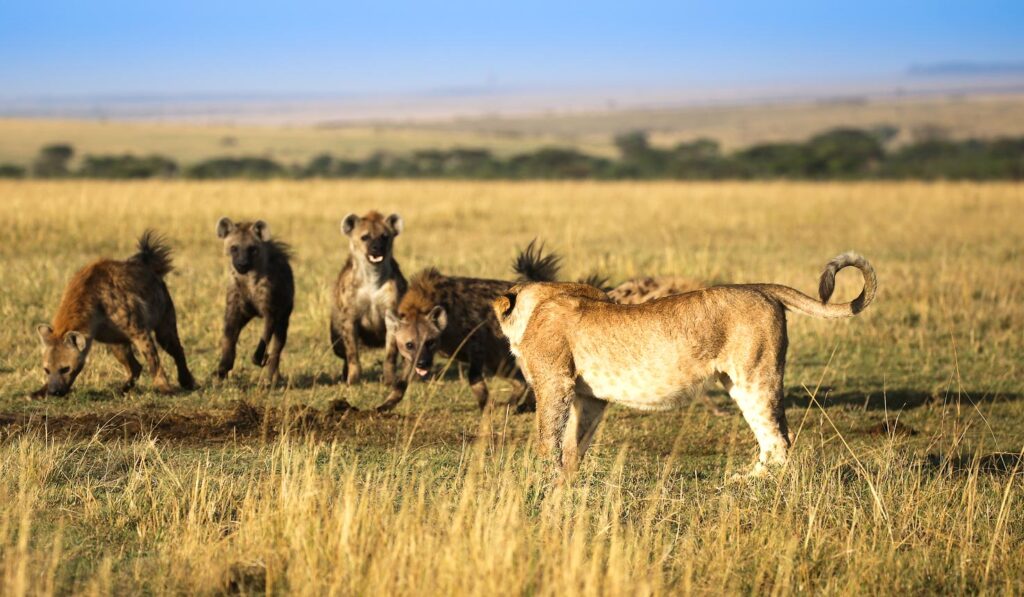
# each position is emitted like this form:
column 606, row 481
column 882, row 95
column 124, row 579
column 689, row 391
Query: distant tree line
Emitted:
column 843, row 153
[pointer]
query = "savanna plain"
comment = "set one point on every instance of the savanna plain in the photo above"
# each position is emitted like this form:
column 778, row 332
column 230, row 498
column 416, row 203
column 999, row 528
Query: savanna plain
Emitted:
column 908, row 420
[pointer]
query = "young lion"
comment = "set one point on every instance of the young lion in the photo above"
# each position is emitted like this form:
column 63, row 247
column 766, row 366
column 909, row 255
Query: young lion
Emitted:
column 121, row 304
column 579, row 351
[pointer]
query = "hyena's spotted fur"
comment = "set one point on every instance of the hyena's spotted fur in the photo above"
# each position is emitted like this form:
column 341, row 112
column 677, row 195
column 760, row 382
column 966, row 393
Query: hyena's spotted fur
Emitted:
column 368, row 287
column 452, row 315
column 641, row 290
column 123, row 304
column 261, row 286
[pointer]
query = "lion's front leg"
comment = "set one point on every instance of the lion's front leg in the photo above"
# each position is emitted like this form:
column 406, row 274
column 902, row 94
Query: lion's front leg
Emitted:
column 555, row 397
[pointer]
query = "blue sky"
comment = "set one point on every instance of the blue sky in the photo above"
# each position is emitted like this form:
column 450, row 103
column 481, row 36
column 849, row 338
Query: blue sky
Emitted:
column 155, row 47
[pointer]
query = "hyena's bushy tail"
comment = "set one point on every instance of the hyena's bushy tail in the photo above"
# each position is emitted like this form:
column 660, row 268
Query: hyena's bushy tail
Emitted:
column 154, row 253
column 531, row 265
column 797, row 301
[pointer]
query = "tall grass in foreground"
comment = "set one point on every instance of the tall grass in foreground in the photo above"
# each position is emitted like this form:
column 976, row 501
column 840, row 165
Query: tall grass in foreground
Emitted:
column 308, row 517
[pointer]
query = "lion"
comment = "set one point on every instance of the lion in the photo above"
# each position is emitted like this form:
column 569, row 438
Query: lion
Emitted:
column 580, row 351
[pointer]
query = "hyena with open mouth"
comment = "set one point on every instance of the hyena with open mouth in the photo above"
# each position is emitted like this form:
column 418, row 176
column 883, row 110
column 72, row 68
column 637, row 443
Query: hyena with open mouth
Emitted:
column 452, row 315
column 369, row 286
column 123, row 304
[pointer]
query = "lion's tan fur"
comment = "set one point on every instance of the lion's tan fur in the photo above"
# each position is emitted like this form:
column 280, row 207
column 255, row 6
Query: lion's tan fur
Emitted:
column 580, row 351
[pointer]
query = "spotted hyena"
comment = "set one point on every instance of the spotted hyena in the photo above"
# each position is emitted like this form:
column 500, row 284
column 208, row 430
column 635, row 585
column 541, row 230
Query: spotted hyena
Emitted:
column 261, row 286
column 368, row 287
column 122, row 304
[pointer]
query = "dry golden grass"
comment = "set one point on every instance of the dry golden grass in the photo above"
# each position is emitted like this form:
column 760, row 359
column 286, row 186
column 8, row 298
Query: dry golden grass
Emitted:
column 103, row 494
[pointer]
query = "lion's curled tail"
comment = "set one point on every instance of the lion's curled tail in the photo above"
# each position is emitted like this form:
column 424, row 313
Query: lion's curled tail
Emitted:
column 797, row 301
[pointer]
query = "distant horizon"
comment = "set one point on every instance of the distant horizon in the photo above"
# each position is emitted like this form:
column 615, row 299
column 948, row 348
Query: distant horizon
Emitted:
column 296, row 108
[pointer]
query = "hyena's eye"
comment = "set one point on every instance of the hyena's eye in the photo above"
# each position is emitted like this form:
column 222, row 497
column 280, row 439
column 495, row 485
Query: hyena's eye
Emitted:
column 410, row 345
column 65, row 370
column 46, row 370
column 252, row 250
column 365, row 237
column 234, row 250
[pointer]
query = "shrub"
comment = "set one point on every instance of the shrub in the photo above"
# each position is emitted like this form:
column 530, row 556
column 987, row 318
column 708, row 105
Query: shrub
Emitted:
column 127, row 166
column 52, row 161
column 244, row 167
column 12, row 171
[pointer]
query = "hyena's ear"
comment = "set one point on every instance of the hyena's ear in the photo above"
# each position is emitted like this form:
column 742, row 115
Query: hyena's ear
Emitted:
column 391, row 320
column 348, row 223
column 262, row 230
column 45, row 332
column 76, row 340
column 224, row 227
column 439, row 317
column 396, row 223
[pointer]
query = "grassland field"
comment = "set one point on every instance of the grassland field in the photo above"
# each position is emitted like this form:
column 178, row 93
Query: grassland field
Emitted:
column 908, row 419
column 734, row 126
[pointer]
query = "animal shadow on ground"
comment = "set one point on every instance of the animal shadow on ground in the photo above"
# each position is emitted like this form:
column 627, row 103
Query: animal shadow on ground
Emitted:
column 893, row 400
column 998, row 463
column 244, row 420
column 371, row 375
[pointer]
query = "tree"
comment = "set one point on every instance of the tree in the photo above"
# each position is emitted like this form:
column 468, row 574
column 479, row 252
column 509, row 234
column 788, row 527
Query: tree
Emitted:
column 52, row 161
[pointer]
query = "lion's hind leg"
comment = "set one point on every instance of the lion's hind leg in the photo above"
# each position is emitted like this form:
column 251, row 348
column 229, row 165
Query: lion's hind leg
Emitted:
column 761, row 405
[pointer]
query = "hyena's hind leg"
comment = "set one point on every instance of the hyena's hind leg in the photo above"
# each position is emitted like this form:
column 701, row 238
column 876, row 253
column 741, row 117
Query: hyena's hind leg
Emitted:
column 143, row 342
column 167, row 338
column 477, row 383
column 761, row 404
column 124, row 355
column 278, row 338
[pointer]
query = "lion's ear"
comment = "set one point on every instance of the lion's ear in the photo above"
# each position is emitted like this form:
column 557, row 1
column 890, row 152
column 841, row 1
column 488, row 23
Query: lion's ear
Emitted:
column 439, row 317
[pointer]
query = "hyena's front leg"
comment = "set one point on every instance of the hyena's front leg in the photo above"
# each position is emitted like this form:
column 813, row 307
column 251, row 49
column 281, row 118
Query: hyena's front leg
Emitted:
column 235, row 318
column 348, row 340
column 391, row 357
column 259, row 357
column 398, row 388
column 143, row 342
column 124, row 355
